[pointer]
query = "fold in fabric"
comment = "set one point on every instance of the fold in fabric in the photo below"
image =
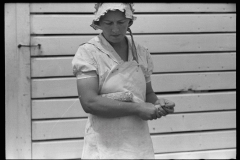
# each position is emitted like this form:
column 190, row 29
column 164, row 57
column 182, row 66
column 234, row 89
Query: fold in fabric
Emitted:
column 120, row 96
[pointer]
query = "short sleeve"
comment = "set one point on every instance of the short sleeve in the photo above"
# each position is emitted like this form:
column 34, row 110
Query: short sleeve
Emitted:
column 83, row 61
column 149, row 66
column 89, row 74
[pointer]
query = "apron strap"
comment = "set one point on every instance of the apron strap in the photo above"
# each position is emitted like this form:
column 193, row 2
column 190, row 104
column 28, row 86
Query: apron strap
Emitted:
column 134, row 50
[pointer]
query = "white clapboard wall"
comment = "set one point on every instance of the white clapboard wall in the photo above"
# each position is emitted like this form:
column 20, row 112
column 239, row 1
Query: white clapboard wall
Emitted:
column 193, row 46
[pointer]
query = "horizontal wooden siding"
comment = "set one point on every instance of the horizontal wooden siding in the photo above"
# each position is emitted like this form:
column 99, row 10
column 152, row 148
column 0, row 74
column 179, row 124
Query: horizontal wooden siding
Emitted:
column 193, row 46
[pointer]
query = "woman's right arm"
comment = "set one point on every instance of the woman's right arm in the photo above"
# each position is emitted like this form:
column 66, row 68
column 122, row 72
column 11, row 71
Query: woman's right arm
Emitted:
column 95, row 104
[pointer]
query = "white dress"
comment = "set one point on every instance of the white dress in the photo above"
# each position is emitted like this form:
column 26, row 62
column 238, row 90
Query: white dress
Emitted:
column 116, row 138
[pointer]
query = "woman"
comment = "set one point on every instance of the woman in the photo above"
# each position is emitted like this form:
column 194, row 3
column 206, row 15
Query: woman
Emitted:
column 111, row 64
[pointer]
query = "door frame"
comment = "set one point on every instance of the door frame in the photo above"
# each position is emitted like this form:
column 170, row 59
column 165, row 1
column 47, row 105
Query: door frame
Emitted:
column 18, row 139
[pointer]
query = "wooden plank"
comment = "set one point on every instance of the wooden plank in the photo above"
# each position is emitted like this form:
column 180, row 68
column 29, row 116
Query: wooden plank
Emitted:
column 194, row 81
column 139, row 7
column 62, row 7
column 75, row 128
column 162, row 143
column 58, row 129
column 209, row 154
column 50, row 67
column 194, row 62
column 189, row 102
column 194, row 122
column 186, row 7
column 57, row 108
column 61, row 66
column 17, row 79
column 64, row 149
column 54, row 87
column 62, row 87
column 68, row 45
column 194, row 141
column 172, row 23
column 195, row 102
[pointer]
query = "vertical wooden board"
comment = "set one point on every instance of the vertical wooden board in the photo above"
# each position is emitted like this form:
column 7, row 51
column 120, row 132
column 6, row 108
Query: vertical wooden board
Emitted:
column 64, row 149
column 209, row 154
column 10, row 79
column 17, row 78
column 194, row 141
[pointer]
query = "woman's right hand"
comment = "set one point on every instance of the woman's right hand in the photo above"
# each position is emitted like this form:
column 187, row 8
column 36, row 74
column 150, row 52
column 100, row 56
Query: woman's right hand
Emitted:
column 147, row 111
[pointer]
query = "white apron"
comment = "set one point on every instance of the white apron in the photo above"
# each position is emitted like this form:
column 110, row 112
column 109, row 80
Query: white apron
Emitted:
column 124, row 137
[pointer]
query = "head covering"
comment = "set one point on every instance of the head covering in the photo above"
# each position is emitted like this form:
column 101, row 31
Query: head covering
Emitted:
column 103, row 8
column 127, row 8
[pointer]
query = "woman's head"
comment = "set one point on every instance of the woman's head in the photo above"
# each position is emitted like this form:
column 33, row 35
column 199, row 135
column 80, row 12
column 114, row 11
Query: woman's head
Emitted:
column 113, row 19
column 114, row 25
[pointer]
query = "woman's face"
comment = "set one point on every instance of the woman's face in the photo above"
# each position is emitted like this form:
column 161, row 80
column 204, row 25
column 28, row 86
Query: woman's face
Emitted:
column 114, row 25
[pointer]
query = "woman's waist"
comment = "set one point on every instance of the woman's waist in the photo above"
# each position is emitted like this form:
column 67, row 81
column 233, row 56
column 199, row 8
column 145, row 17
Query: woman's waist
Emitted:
column 120, row 124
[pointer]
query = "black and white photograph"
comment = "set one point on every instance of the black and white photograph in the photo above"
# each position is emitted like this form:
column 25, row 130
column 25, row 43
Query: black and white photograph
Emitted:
column 120, row 80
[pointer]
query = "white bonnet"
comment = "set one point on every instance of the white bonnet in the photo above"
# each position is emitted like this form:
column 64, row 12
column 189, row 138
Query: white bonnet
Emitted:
column 103, row 8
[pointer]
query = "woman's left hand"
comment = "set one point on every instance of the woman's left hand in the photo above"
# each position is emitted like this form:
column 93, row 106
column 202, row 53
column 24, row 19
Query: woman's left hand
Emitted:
column 165, row 106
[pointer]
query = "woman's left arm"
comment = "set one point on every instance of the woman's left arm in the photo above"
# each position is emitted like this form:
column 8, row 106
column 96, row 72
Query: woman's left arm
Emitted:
column 151, row 97
column 164, row 106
